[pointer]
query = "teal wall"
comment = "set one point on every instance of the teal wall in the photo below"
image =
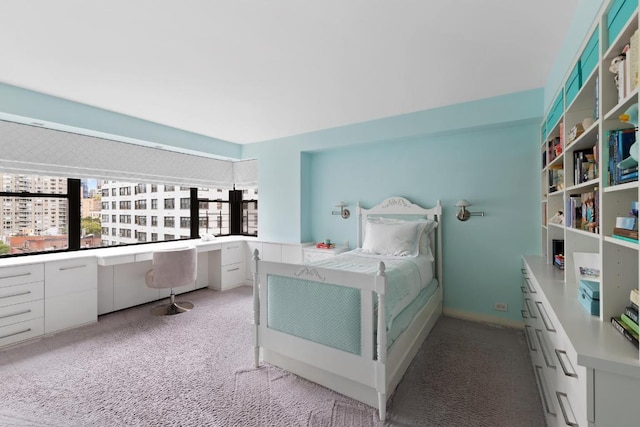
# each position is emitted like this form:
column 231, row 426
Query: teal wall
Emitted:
column 35, row 105
column 484, row 151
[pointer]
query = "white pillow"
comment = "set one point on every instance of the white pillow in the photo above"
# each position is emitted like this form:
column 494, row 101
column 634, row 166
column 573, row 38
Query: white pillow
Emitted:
column 392, row 238
column 424, row 243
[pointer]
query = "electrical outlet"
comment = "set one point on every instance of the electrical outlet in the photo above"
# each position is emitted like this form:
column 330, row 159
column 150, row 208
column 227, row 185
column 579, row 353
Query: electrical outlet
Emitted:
column 500, row 306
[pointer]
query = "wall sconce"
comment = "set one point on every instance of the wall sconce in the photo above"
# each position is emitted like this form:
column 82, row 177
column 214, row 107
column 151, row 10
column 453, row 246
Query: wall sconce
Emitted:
column 463, row 214
column 344, row 213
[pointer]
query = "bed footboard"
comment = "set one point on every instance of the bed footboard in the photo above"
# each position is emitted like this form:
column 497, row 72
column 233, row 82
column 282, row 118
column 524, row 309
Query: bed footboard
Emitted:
column 364, row 373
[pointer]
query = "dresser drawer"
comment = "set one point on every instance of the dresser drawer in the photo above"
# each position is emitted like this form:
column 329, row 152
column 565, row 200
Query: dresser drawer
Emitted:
column 17, row 294
column 21, row 331
column 20, row 274
column 232, row 253
column 67, row 277
column 21, row 312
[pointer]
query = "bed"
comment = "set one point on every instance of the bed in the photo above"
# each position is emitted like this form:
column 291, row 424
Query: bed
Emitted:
column 354, row 322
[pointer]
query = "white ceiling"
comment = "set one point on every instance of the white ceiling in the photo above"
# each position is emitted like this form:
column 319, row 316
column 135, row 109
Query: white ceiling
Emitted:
column 252, row 70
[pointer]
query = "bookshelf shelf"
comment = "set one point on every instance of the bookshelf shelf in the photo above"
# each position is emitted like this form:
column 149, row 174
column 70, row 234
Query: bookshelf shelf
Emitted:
column 583, row 144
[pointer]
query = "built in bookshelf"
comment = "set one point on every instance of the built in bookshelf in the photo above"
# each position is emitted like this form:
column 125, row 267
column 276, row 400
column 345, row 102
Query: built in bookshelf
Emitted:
column 589, row 199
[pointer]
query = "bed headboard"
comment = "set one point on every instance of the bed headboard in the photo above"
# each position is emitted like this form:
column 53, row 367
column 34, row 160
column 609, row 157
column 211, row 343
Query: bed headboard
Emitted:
column 399, row 207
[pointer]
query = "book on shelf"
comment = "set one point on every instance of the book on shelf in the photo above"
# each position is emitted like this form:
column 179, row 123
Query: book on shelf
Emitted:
column 584, row 166
column 634, row 297
column 631, row 312
column 626, row 239
column 625, row 330
column 588, row 211
column 619, row 143
column 623, row 232
column 633, row 59
column 630, row 323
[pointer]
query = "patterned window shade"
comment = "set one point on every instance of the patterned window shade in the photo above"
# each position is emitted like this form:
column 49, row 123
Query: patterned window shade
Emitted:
column 28, row 149
column 245, row 174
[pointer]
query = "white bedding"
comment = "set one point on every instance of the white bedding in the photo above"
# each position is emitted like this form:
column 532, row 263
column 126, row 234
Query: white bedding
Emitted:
column 406, row 276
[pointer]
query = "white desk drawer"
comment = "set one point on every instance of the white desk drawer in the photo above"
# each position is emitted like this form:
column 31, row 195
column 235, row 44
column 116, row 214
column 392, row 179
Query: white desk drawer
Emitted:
column 71, row 310
column 21, row 312
column 232, row 253
column 21, row 331
column 19, row 274
column 17, row 294
column 232, row 275
column 66, row 277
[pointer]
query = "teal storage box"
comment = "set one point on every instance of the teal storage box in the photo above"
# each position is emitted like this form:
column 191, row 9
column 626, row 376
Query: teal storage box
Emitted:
column 589, row 57
column 618, row 15
column 574, row 83
column 589, row 296
column 556, row 112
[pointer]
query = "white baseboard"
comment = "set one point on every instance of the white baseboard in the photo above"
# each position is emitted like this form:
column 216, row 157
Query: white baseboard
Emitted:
column 483, row 318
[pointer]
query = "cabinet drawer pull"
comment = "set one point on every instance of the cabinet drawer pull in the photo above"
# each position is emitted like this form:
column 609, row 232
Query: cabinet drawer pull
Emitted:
column 523, row 289
column 15, row 314
column 16, row 333
column 19, row 294
column 527, row 302
column 529, row 285
column 523, row 270
column 563, row 358
column 543, row 390
column 232, row 247
column 543, row 350
column 15, row 275
column 530, row 342
column 524, row 314
column 233, row 269
column 567, row 413
column 545, row 317
column 73, row 267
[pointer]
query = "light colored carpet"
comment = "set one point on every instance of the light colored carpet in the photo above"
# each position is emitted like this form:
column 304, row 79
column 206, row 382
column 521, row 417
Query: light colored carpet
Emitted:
column 195, row 369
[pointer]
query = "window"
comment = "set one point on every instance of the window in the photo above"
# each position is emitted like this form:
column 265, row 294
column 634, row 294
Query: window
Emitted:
column 32, row 206
column 154, row 188
column 169, row 187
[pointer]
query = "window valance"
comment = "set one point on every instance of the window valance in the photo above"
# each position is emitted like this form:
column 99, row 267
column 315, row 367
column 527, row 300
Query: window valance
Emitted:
column 28, row 149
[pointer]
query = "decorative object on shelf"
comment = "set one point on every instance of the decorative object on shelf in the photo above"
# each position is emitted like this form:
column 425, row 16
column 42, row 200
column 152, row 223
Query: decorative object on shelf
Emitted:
column 558, row 218
column 464, row 214
column 631, row 116
column 575, row 132
column 344, row 213
column 587, row 266
column 617, row 67
column 589, row 296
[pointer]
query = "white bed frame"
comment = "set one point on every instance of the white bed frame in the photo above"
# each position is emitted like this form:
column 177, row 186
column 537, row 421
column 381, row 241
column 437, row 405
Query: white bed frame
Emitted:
column 369, row 378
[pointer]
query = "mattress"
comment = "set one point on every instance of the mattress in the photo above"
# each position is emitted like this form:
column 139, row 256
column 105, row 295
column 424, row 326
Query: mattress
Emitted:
column 330, row 314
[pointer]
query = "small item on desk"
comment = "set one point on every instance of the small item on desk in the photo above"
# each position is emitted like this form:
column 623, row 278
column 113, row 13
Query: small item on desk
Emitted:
column 326, row 244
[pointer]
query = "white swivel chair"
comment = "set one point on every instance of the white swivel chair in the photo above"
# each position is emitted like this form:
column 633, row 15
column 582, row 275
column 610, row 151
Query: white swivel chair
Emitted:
column 172, row 268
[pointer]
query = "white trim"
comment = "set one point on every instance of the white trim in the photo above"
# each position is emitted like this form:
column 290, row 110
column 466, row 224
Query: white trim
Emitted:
column 483, row 318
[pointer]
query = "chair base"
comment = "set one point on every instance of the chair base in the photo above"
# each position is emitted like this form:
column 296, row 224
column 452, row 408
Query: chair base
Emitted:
column 171, row 308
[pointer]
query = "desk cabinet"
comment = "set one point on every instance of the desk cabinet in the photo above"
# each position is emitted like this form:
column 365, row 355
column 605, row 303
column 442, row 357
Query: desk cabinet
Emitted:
column 71, row 293
column 227, row 266
column 21, row 303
